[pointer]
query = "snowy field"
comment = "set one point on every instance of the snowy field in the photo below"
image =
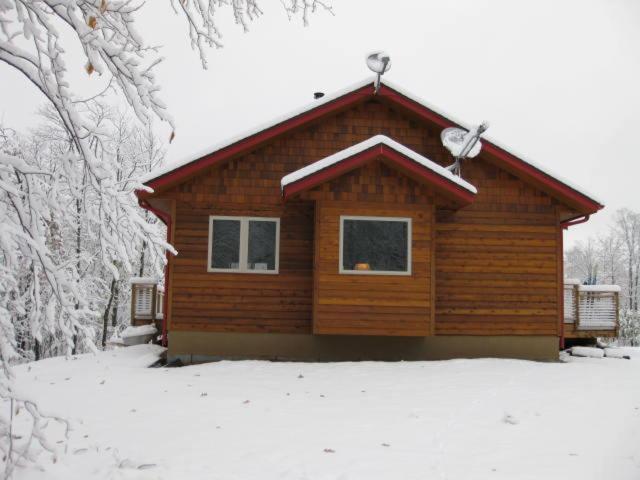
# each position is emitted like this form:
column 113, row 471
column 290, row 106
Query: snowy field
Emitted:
column 460, row 419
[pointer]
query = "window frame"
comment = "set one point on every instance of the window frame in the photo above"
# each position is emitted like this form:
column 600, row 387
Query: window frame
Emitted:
column 407, row 220
column 243, row 255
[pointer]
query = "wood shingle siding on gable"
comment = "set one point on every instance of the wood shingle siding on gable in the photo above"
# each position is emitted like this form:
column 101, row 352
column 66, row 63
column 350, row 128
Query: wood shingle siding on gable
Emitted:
column 495, row 267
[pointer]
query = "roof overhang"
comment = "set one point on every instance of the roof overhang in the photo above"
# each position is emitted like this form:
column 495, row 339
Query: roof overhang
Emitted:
column 331, row 104
column 382, row 148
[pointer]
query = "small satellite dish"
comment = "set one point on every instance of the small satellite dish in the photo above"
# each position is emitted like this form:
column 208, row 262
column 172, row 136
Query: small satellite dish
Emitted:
column 462, row 143
column 378, row 63
column 455, row 140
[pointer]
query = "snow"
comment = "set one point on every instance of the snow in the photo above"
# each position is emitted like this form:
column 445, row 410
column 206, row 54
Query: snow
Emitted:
column 599, row 288
column 329, row 98
column 572, row 281
column 140, row 330
column 143, row 280
column 591, row 352
column 365, row 145
column 621, row 352
column 253, row 420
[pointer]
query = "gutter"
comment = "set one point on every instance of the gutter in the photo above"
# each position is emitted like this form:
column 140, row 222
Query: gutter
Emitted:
column 565, row 225
column 166, row 219
column 574, row 221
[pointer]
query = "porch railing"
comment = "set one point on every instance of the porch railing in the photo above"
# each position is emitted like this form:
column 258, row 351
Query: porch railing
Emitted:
column 591, row 307
column 146, row 300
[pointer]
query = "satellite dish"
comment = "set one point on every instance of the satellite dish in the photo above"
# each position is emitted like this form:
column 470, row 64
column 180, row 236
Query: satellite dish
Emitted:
column 462, row 143
column 378, row 63
column 459, row 142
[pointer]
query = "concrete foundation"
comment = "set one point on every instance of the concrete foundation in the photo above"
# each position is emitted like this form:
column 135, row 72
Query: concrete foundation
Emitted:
column 196, row 347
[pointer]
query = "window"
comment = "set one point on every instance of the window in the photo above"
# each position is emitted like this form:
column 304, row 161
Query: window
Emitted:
column 243, row 244
column 375, row 245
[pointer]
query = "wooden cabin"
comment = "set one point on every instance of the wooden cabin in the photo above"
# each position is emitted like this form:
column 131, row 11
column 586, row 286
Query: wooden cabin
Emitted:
column 337, row 234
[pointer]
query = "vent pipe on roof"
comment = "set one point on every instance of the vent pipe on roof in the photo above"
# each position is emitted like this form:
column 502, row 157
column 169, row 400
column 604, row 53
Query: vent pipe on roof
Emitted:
column 317, row 95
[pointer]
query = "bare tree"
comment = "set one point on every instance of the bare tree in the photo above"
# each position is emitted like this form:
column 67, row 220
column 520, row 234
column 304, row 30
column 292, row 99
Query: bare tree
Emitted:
column 613, row 258
column 582, row 261
column 627, row 225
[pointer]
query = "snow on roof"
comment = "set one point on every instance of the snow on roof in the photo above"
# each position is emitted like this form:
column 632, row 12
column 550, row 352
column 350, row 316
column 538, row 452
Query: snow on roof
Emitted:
column 372, row 142
column 131, row 331
column 599, row 288
column 488, row 138
column 331, row 97
column 259, row 128
column 139, row 280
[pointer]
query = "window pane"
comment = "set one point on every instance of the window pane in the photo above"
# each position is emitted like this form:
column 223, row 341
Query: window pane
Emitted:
column 262, row 245
column 375, row 245
column 225, row 249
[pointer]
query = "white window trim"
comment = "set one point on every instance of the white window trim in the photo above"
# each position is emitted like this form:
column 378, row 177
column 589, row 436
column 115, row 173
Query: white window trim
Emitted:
column 244, row 245
column 407, row 220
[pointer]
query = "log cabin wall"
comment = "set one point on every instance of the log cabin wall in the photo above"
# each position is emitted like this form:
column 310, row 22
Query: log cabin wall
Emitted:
column 495, row 260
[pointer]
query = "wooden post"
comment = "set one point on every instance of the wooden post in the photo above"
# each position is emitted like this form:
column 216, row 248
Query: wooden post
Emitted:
column 432, row 280
column 153, row 302
column 134, row 293
column 617, row 297
column 576, row 296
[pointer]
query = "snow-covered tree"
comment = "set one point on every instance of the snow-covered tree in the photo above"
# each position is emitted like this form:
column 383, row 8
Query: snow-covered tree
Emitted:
column 48, row 188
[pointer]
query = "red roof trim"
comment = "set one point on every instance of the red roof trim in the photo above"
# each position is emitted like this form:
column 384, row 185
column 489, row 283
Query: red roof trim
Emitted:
column 253, row 141
column 509, row 161
column 440, row 183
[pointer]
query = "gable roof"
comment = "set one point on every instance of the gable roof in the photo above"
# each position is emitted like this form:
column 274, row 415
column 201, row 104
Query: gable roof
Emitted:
column 373, row 148
column 329, row 104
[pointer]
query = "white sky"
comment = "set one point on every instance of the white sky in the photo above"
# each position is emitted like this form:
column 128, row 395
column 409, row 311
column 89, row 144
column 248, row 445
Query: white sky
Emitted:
column 558, row 81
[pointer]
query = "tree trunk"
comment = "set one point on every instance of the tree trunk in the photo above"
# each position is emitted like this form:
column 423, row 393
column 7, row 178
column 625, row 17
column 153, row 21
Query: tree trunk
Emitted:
column 144, row 246
column 630, row 274
column 105, row 316
column 635, row 292
column 116, row 302
column 78, row 250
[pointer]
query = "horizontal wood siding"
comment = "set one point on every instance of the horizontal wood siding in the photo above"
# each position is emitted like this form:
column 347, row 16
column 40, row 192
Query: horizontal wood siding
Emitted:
column 243, row 302
column 372, row 304
column 354, row 304
column 496, row 260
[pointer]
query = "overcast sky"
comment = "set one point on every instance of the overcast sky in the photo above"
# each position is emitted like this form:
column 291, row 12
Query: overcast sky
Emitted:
column 559, row 81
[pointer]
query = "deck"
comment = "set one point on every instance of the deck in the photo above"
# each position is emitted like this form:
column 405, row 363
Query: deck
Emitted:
column 590, row 311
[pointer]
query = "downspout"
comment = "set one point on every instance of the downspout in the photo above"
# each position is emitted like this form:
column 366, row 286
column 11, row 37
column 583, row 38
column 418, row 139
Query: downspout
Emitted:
column 565, row 225
column 561, row 241
column 166, row 219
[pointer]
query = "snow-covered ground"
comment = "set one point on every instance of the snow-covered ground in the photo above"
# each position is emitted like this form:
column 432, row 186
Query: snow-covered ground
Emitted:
column 459, row 419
